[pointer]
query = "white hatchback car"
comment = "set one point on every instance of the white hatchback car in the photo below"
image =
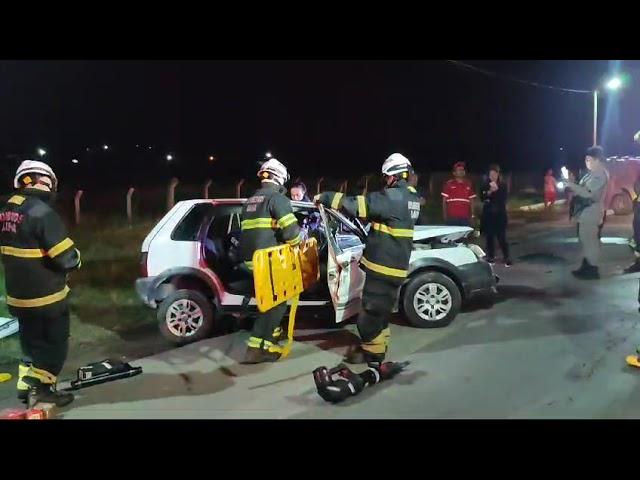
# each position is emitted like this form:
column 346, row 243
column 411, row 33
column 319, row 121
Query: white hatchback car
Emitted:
column 189, row 269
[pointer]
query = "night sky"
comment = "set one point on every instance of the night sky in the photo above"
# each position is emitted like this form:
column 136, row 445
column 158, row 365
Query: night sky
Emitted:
column 335, row 118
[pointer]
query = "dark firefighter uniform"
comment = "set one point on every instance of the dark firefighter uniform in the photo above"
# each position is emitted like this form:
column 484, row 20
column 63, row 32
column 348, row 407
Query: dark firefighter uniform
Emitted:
column 37, row 256
column 392, row 213
column 267, row 221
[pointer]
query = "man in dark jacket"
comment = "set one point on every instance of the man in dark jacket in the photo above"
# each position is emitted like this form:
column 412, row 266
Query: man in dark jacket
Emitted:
column 37, row 257
column 392, row 213
column 267, row 221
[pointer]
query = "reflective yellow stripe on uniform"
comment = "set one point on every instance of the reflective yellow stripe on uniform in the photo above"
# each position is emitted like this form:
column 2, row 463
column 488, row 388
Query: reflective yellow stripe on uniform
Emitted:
column 377, row 345
column 294, row 241
column 392, row 272
column 335, row 203
column 258, row 223
column 58, row 248
column 38, row 302
column 362, row 206
column 17, row 200
column 42, row 375
column 22, row 252
column 412, row 190
column 394, row 232
column 23, row 370
column 256, row 342
column 386, row 333
column 287, row 220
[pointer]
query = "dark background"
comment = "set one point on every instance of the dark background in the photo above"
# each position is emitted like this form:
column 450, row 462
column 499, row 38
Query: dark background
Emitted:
column 332, row 118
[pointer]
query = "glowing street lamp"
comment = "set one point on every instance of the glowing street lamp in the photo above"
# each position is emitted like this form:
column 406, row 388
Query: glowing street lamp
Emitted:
column 613, row 84
column 74, row 160
column 169, row 157
column 42, row 152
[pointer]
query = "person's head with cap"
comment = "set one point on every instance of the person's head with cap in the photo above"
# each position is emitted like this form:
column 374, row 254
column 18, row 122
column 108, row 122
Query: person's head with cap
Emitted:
column 594, row 158
column 459, row 171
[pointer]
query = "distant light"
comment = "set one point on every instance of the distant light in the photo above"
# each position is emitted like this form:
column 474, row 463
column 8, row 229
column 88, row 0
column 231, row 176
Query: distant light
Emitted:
column 560, row 185
column 88, row 149
column 42, row 152
column 137, row 145
column 614, row 84
column 211, row 158
column 268, row 155
column 74, row 160
column 169, row 158
column 149, row 147
column 105, row 147
column 561, row 148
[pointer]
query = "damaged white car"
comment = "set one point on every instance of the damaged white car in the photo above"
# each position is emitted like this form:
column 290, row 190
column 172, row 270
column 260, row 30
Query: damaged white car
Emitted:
column 189, row 269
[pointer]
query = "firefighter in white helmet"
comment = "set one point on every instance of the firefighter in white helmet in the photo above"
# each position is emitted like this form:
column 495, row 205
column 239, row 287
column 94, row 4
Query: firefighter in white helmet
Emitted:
column 392, row 213
column 38, row 255
column 267, row 221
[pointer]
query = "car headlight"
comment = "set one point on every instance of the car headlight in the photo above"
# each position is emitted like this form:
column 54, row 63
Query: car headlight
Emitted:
column 477, row 250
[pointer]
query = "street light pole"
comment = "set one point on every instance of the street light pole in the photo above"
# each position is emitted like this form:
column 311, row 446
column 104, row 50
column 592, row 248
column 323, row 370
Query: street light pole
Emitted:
column 595, row 117
column 613, row 84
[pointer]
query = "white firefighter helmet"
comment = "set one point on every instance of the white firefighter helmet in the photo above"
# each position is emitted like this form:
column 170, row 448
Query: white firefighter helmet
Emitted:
column 33, row 167
column 274, row 170
column 396, row 164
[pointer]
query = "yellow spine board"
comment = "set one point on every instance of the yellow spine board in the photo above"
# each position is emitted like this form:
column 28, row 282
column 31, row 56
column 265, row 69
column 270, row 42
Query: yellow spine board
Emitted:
column 282, row 273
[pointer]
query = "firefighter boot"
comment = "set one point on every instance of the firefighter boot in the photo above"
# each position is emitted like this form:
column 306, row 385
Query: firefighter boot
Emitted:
column 42, row 389
column 22, row 388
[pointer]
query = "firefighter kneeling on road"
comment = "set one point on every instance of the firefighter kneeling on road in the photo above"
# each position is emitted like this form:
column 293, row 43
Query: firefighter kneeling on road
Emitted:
column 267, row 221
column 392, row 213
column 37, row 257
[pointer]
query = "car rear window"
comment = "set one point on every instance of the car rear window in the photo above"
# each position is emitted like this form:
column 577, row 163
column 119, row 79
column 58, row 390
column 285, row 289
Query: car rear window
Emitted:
column 188, row 228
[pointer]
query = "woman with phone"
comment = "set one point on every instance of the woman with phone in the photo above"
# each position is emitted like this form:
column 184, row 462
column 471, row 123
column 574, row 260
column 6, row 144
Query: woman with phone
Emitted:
column 494, row 215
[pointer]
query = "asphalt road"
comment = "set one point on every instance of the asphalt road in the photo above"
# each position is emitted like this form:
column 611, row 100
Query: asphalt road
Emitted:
column 550, row 346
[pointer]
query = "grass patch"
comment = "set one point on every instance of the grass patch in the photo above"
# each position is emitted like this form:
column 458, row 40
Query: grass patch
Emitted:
column 105, row 310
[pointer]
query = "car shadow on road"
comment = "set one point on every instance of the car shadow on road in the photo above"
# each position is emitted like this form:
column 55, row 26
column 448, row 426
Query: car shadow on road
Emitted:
column 550, row 296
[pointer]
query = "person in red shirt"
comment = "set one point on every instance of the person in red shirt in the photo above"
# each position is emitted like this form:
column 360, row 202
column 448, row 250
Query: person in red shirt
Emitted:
column 457, row 198
column 549, row 189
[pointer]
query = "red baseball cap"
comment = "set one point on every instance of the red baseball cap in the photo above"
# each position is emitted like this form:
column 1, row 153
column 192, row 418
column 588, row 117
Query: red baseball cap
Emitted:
column 459, row 165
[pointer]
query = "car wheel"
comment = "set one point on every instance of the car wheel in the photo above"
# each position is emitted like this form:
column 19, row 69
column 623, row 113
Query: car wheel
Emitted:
column 621, row 204
column 185, row 316
column 431, row 300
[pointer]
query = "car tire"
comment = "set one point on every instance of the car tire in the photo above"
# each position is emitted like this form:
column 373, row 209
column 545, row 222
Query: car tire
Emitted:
column 186, row 316
column 426, row 288
column 621, row 204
